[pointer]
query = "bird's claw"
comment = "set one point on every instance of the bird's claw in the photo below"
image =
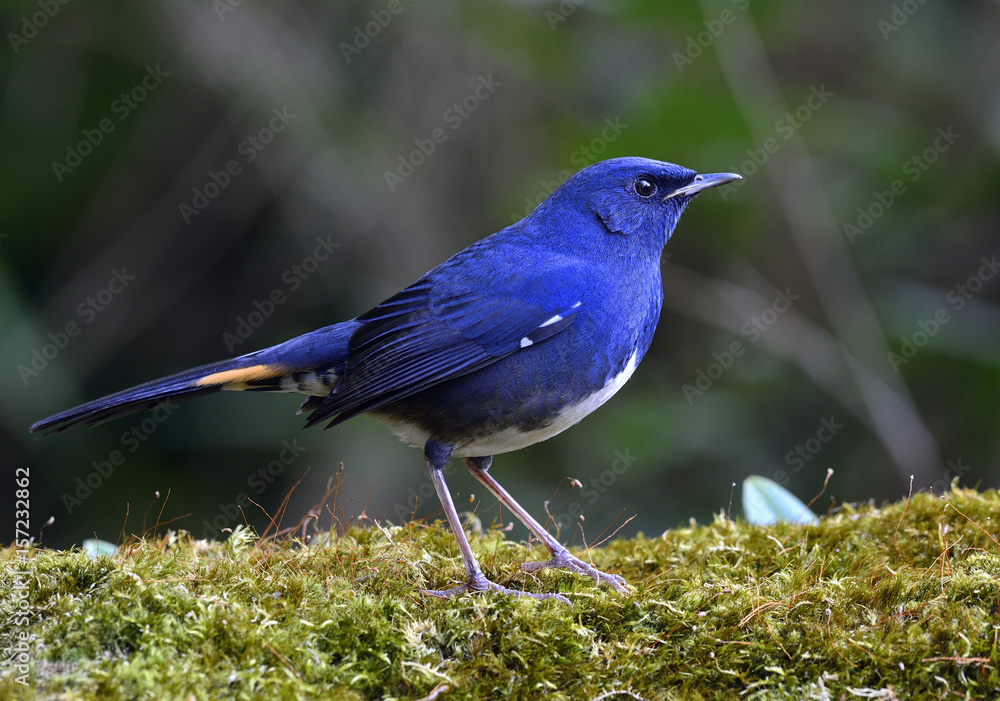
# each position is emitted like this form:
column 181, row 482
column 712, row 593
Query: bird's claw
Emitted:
column 564, row 560
column 480, row 584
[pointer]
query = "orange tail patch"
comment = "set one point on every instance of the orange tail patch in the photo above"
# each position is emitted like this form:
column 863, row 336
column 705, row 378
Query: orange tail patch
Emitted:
column 241, row 377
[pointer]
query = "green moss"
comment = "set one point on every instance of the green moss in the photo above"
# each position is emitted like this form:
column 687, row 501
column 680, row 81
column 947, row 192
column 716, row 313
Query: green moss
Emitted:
column 900, row 599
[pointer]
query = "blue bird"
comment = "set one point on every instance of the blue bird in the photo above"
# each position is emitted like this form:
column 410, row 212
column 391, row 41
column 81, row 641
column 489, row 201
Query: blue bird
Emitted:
column 505, row 344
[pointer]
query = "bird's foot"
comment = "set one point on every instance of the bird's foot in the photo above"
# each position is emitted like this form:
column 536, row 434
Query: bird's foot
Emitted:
column 563, row 559
column 478, row 582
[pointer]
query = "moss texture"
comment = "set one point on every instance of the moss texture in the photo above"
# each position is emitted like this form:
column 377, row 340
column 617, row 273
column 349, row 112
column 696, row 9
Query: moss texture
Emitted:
column 899, row 601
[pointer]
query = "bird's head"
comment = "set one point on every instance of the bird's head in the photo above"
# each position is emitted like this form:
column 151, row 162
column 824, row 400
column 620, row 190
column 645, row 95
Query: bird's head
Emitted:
column 638, row 199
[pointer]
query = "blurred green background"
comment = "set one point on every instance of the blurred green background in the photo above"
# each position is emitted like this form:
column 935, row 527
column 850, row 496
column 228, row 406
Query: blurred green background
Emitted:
column 839, row 309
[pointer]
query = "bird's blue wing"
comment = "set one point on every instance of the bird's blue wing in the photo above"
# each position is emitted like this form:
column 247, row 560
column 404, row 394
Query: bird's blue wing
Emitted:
column 452, row 322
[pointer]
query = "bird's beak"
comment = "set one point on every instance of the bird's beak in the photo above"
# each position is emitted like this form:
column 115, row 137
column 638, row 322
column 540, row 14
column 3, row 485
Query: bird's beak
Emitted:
column 703, row 182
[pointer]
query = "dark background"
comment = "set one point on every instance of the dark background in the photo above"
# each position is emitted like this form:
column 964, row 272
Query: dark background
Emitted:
column 824, row 108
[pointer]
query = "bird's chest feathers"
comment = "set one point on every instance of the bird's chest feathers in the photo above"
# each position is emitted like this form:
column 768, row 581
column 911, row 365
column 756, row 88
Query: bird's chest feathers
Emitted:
column 624, row 316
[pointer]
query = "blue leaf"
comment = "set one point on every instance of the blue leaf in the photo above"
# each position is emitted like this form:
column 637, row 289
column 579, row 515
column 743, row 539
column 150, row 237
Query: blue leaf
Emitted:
column 95, row 548
column 766, row 502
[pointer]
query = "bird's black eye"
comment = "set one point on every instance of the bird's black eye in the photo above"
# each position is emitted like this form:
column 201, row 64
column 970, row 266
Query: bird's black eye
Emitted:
column 644, row 187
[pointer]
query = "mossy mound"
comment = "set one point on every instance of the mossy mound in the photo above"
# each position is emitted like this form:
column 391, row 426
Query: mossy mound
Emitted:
column 895, row 601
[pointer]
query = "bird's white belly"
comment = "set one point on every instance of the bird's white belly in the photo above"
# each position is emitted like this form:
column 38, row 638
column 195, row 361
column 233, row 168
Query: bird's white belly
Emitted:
column 511, row 439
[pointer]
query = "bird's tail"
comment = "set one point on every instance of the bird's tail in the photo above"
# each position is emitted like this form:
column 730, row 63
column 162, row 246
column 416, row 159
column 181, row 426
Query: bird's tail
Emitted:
column 309, row 364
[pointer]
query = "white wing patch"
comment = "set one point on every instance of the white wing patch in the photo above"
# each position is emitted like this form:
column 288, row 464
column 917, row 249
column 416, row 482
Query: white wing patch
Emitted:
column 528, row 340
column 559, row 317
